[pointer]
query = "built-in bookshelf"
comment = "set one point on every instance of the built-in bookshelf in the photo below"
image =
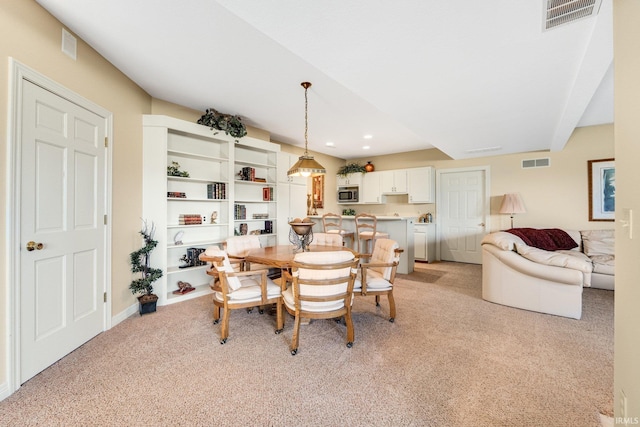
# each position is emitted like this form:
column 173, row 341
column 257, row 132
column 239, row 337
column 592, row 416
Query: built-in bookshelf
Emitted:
column 192, row 185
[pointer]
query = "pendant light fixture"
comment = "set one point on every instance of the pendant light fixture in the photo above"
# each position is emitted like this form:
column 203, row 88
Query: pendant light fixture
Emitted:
column 306, row 165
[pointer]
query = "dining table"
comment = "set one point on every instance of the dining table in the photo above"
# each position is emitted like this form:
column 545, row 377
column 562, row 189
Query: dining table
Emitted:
column 281, row 256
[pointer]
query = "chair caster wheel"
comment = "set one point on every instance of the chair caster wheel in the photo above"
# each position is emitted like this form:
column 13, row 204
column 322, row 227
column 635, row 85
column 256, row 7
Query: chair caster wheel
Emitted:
column 377, row 304
column 349, row 344
column 393, row 319
column 249, row 310
column 215, row 322
column 278, row 331
column 223, row 341
column 261, row 311
column 294, row 352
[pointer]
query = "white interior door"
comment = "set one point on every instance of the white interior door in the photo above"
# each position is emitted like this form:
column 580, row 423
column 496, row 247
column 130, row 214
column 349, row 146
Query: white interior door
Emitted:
column 61, row 212
column 463, row 207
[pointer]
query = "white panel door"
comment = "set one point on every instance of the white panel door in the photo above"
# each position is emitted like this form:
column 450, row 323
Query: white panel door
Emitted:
column 462, row 215
column 62, row 209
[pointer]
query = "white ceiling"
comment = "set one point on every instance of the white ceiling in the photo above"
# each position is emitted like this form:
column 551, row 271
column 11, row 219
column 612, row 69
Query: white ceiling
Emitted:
column 470, row 78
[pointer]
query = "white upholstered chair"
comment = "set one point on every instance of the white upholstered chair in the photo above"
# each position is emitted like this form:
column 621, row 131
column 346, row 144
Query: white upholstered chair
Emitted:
column 239, row 289
column 376, row 276
column 326, row 239
column 366, row 229
column 322, row 286
column 237, row 248
column 332, row 224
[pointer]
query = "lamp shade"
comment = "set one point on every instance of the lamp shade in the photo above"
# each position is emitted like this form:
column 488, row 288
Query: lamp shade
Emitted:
column 512, row 204
column 306, row 166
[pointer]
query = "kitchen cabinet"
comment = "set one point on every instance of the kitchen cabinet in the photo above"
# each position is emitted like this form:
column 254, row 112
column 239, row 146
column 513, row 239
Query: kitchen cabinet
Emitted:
column 370, row 189
column 424, row 242
column 394, row 181
column 350, row 180
column 421, row 185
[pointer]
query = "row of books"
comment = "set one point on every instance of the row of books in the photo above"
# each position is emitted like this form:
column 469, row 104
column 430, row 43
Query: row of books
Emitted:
column 260, row 215
column 189, row 219
column 239, row 212
column 177, row 194
column 217, row 190
column 247, row 174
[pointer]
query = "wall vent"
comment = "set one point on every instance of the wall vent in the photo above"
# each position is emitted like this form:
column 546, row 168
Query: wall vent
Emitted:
column 560, row 12
column 544, row 162
column 69, row 44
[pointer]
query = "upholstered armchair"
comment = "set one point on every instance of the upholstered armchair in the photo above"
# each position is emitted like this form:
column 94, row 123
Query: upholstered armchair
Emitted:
column 239, row 289
column 322, row 286
column 326, row 239
column 239, row 246
column 376, row 276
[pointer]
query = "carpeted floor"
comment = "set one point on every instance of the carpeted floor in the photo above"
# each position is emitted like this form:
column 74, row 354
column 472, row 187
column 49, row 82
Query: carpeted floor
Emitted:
column 450, row 359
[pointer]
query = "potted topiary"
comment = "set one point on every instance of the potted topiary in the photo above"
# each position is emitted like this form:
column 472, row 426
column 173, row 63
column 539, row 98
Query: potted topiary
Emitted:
column 229, row 124
column 140, row 261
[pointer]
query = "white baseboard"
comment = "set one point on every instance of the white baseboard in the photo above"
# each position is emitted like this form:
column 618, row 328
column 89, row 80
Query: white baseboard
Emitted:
column 132, row 309
column 4, row 391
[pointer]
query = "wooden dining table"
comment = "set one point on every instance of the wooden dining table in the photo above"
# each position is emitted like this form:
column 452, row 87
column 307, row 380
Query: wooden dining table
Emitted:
column 281, row 256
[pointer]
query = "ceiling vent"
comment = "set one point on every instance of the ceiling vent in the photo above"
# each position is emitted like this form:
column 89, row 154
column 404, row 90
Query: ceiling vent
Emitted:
column 560, row 12
column 544, row 162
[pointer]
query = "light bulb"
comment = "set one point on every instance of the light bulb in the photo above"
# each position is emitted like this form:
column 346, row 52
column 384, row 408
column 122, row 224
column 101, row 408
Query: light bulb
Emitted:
column 305, row 174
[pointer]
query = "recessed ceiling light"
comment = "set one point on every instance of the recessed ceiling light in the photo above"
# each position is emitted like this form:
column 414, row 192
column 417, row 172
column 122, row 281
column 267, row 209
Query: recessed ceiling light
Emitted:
column 368, row 136
column 366, row 147
column 330, row 144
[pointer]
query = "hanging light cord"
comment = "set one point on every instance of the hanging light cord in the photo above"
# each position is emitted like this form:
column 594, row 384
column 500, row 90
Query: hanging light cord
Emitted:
column 305, row 85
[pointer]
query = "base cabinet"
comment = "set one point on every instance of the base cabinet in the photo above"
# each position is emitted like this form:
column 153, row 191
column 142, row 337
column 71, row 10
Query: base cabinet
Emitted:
column 424, row 242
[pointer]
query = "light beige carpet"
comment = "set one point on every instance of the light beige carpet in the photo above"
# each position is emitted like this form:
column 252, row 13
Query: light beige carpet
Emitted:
column 450, row 359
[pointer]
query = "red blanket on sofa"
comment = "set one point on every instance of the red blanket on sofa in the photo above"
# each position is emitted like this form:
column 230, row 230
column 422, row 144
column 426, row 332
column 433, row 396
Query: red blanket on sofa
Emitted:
column 549, row 239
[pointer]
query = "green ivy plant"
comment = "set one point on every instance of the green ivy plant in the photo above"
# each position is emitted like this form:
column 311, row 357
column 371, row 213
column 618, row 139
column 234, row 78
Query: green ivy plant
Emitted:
column 140, row 264
column 229, row 124
column 350, row 168
column 174, row 170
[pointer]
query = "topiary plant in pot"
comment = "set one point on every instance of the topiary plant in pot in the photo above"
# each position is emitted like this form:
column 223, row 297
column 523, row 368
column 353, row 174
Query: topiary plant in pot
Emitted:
column 140, row 263
column 350, row 168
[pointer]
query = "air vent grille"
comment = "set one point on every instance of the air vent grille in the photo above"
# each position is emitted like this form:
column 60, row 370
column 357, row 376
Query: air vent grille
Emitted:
column 544, row 162
column 560, row 12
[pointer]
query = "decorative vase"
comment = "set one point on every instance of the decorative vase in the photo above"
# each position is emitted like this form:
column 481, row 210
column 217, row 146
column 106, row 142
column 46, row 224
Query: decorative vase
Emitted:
column 369, row 167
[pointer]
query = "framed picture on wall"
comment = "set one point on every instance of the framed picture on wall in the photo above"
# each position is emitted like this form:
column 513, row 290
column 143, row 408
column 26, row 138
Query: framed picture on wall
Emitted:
column 602, row 189
column 318, row 191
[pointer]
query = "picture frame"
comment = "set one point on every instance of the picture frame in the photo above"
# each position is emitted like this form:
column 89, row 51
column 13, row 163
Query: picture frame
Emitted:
column 318, row 191
column 602, row 186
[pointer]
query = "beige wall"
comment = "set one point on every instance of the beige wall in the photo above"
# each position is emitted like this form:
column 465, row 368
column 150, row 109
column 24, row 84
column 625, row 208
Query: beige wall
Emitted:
column 32, row 36
column 555, row 196
column 627, row 134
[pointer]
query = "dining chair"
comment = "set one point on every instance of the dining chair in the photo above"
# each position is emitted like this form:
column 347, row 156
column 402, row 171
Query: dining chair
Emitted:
column 322, row 286
column 327, row 239
column 332, row 224
column 376, row 276
column 240, row 289
column 366, row 229
column 239, row 246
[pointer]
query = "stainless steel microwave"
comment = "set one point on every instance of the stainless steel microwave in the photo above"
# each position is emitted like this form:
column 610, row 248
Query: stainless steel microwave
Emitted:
column 348, row 194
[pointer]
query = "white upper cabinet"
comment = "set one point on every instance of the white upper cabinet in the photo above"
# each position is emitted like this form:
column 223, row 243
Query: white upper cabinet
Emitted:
column 394, row 181
column 351, row 180
column 370, row 189
column 421, row 185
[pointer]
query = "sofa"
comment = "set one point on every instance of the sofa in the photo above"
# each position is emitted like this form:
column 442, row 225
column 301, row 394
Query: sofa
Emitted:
column 546, row 270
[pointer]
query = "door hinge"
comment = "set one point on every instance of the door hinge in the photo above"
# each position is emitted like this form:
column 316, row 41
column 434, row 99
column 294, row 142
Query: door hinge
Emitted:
column 105, row 297
column 106, row 141
column 105, row 220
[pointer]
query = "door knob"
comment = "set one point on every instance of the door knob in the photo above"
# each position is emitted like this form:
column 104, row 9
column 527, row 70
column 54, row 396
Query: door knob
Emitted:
column 33, row 245
column 481, row 224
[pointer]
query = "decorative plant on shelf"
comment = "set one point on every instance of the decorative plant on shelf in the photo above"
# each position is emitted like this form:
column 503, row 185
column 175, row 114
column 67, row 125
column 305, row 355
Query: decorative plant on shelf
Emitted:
column 350, row 168
column 229, row 124
column 174, row 170
column 140, row 263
